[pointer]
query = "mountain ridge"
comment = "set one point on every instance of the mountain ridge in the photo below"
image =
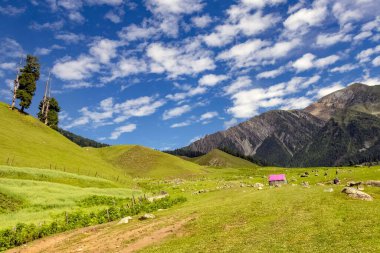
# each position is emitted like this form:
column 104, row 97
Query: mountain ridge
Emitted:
column 274, row 137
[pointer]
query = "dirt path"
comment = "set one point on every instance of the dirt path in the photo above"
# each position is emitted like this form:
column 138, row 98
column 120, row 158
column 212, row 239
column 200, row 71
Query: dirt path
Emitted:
column 109, row 237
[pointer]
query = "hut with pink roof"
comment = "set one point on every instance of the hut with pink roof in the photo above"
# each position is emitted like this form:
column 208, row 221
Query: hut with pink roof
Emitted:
column 277, row 179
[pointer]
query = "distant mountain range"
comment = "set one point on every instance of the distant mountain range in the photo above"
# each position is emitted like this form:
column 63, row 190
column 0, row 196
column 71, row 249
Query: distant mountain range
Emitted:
column 341, row 128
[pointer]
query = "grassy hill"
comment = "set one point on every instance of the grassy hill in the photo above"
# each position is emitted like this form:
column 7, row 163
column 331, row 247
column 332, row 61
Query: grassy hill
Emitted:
column 218, row 158
column 26, row 142
column 145, row 162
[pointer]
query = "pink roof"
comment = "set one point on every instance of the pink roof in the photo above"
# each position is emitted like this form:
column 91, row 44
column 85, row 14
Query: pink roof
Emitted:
column 278, row 177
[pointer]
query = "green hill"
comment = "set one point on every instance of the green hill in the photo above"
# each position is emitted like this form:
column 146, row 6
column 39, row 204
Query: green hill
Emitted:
column 26, row 142
column 218, row 158
column 145, row 162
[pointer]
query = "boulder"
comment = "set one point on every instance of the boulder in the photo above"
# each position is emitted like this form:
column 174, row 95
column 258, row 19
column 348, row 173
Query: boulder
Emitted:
column 147, row 216
column 320, row 184
column 125, row 220
column 356, row 194
column 162, row 195
column 258, row 185
column 305, row 184
column 375, row 183
column 329, row 190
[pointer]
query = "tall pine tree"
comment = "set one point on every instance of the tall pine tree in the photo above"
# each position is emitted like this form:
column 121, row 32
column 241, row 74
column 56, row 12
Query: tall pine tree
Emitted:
column 51, row 116
column 27, row 82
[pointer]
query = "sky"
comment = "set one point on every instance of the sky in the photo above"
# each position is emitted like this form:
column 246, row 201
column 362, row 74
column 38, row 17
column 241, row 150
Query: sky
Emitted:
column 163, row 73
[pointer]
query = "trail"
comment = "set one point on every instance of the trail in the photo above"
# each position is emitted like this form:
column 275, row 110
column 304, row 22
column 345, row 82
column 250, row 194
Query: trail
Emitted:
column 109, row 237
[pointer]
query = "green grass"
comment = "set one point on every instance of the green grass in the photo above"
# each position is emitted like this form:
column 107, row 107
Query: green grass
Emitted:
column 218, row 158
column 26, row 142
column 286, row 219
column 139, row 161
column 44, row 200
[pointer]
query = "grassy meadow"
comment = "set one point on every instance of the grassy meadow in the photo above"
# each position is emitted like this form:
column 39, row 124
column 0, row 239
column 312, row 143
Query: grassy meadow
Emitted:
column 43, row 175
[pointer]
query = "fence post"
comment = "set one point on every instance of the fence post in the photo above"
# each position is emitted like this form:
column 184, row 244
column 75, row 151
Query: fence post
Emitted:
column 67, row 219
column 108, row 215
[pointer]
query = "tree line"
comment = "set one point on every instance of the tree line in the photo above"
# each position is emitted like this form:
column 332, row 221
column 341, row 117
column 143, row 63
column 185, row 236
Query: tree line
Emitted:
column 24, row 89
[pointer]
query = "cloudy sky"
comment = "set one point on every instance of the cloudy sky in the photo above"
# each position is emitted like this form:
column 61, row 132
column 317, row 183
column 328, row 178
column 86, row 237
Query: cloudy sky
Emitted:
column 162, row 73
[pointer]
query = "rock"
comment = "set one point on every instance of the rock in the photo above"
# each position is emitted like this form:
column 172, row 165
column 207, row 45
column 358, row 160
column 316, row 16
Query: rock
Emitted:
column 356, row 194
column 258, row 185
column 260, row 188
column 162, row 195
column 147, row 216
column 329, row 190
column 125, row 220
column 375, row 183
column 320, row 184
column 305, row 184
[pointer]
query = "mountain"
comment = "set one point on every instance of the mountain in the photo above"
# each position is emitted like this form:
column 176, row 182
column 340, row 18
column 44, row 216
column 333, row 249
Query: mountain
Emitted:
column 218, row 158
column 358, row 97
column 279, row 137
column 26, row 142
column 272, row 137
column 349, row 137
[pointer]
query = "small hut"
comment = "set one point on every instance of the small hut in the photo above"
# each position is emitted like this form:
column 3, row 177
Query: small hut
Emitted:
column 277, row 179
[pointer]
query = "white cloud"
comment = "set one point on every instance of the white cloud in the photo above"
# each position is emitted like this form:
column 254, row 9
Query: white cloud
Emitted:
column 344, row 68
column 79, row 69
column 261, row 3
column 243, row 82
column 115, row 17
column 309, row 61
column 47, row 26
column 77, row 85
column 271, row 73
column 134, row 32
column 208, row 116
column 363, row 35
column 225, row 33
column 329, row 39
column 11, row 10
column 365, row 55
column 121, row 130
column 181, row 124
column 176, row 112
column 248, row 102
column 42, row 51
column 126, row 67
column 104, row 50
column 201, row 21
column 212, row 80
column 109, row 113
column 349, row 11
column 376, row 61
column 305, row 18
column 177, row 61
column 174, row 6
column 257, row 52
column 70, row 38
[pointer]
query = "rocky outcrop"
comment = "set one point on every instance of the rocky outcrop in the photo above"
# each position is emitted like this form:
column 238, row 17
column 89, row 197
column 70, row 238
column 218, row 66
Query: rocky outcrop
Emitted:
column 356, row 194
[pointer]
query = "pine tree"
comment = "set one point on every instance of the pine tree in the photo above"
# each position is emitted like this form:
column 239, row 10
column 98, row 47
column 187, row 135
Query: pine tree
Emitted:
column 50, row 115
column 27, row 82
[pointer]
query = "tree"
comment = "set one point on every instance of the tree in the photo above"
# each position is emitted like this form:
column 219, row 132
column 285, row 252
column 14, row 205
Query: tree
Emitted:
column 50, row 115
column 27, row 82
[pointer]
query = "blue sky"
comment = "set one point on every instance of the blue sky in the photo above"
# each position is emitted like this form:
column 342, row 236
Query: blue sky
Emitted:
column 162, row 73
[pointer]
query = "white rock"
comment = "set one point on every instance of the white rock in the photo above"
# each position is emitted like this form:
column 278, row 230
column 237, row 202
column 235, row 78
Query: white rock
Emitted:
column 125, row 220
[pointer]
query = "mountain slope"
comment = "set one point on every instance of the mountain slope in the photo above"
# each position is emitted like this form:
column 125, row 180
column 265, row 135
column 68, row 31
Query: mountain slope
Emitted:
column 359, row 97
column 218, row 158
column 350, row 137
column 290, row 130
column 145, row 162
column 26, row 142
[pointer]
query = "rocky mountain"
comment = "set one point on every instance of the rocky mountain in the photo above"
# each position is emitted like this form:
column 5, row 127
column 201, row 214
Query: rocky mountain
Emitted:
column 275, row 134
column 359, row 97
column 335, row 130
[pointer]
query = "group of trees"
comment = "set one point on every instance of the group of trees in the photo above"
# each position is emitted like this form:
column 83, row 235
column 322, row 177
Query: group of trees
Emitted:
column 25, row 86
